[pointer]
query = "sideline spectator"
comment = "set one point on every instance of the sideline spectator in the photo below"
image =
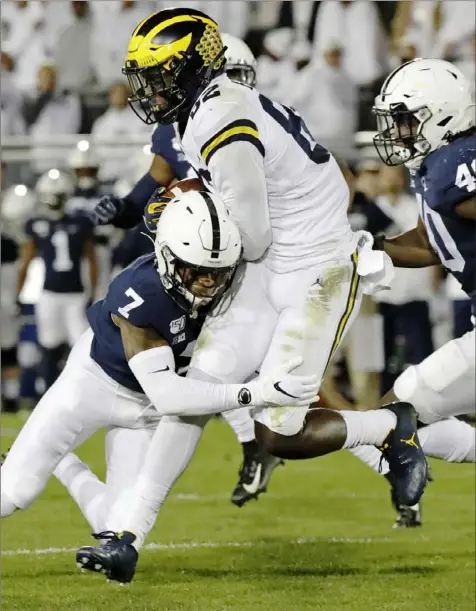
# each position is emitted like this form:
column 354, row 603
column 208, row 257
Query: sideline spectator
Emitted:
column 117, row 122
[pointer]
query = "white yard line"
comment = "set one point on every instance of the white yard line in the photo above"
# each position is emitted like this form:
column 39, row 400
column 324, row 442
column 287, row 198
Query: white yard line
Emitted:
column 207, row 545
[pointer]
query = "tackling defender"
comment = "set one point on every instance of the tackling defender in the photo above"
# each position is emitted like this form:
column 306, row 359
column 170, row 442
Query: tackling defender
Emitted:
column 426, row 120
column 301, row 286
column 127, row 361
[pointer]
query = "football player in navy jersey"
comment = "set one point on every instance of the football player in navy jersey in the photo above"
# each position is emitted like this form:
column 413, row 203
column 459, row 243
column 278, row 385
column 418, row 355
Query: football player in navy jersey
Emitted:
column 426, row 120
column 62, row 241
column 121, row 372
column 169, row 163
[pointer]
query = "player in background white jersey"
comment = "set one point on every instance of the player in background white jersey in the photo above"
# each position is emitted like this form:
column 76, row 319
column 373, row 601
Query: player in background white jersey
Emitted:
column 300, row 288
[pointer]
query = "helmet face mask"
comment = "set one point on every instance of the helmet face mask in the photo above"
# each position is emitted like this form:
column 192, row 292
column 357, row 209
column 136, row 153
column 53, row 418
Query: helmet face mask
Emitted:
column 156, row 97
column 198, row 285
column 400, row 138
column 173, row 55
column 241, row 72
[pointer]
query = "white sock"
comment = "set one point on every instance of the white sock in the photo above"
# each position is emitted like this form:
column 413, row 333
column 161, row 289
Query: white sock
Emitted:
column 371, row 457
column 368, row 428
column 171, row 449
column 242, row 423
column 85, row 488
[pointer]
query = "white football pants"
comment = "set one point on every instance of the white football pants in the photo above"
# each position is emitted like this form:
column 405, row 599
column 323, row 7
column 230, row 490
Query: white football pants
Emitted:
column 60, row 318
column 80, row 402
column 274, row 317
column 444, row 384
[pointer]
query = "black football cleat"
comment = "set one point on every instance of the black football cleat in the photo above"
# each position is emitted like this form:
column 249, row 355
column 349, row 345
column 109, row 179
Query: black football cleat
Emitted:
column 408, row 517
column 401, row 448
column 254, row 475
column 116, row 558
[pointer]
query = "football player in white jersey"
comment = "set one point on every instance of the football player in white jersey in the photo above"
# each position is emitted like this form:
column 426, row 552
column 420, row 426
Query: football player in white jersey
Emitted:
column 300, row 288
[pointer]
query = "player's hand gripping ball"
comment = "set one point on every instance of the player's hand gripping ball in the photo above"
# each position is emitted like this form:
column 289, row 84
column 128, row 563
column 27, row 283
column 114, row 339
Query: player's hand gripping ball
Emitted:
column 164, row 195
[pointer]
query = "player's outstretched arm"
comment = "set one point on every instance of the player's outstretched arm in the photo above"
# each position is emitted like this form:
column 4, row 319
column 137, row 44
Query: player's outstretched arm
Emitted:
column 152, row 362
column 409, row 249
column 127, row 212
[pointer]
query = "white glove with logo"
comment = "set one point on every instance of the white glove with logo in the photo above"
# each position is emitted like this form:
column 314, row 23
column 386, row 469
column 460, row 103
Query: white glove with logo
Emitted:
column 280, row 387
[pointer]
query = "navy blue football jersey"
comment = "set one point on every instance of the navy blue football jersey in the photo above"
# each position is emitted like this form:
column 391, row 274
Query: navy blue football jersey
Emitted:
column 446, row 178
column 138, row 296
column 60, row 243
column 165, row 143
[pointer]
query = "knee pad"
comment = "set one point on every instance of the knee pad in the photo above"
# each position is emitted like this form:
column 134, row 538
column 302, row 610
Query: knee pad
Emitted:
column 436, row 386
column 286, row 421
column 9, row 357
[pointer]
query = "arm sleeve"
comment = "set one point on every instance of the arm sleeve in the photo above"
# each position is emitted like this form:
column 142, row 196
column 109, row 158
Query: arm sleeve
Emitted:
column 135, row 202
column 174, row 395
column 234, row 154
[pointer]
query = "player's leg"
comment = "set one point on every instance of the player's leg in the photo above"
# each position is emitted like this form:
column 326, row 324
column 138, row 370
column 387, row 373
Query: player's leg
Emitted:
column 443, row 384
column 82, row 400
column 9, row 331
column 71, row 409
column 49, row 314
column 75, row 316
column 450, row 440
column 313, row 327
column 125, row 452
column 257, row 465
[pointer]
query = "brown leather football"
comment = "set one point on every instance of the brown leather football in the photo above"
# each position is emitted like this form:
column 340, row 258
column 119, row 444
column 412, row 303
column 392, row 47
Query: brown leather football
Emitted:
column 188, row 184
column 160, row 199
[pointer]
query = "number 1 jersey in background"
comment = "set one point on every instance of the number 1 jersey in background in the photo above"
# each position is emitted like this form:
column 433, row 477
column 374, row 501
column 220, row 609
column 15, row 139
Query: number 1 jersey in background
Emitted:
column 60, row 243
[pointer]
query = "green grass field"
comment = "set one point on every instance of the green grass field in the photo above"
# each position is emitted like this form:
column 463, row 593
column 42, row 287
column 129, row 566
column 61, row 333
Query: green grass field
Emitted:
column 320, row 540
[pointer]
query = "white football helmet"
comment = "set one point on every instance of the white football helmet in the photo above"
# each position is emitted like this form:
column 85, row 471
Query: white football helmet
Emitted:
column 85, row 163
column 53, row 188
column 422, row 105
column 240, row 61
column 196, row 237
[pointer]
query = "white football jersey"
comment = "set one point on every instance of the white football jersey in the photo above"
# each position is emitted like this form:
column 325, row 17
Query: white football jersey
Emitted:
column 308, row 196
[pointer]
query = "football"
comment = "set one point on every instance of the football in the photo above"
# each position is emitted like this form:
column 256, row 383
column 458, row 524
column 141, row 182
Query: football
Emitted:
column 162, row 197
column 182, row 186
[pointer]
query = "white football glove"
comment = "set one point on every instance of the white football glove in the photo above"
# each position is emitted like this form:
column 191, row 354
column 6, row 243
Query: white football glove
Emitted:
column 280, row 387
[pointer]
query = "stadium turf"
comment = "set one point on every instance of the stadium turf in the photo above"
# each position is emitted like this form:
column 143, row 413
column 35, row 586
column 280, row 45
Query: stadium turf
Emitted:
column 320, row 540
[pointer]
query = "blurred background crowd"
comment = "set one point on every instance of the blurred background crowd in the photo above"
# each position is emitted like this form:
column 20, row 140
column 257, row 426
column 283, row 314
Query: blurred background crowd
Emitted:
column 61, row 84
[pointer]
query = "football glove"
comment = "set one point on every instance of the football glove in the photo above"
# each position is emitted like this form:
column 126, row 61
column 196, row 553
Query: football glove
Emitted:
column 107, row 209
column 281, row 387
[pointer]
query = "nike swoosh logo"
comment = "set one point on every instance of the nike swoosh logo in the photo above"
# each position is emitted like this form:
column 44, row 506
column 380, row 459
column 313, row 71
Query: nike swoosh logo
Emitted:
column 159, row 370
column 279, row 389
column 253, row 487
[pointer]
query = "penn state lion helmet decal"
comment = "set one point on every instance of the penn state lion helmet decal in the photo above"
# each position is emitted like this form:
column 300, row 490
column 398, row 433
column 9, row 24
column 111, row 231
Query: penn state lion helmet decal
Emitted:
column 173, row 54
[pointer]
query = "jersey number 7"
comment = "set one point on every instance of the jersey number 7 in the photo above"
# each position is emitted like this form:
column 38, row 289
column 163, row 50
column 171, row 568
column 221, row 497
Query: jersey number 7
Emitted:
column 135, row 303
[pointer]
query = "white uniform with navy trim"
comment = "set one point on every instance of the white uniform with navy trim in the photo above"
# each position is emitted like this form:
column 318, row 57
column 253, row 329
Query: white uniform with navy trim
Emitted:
column 298, row 292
